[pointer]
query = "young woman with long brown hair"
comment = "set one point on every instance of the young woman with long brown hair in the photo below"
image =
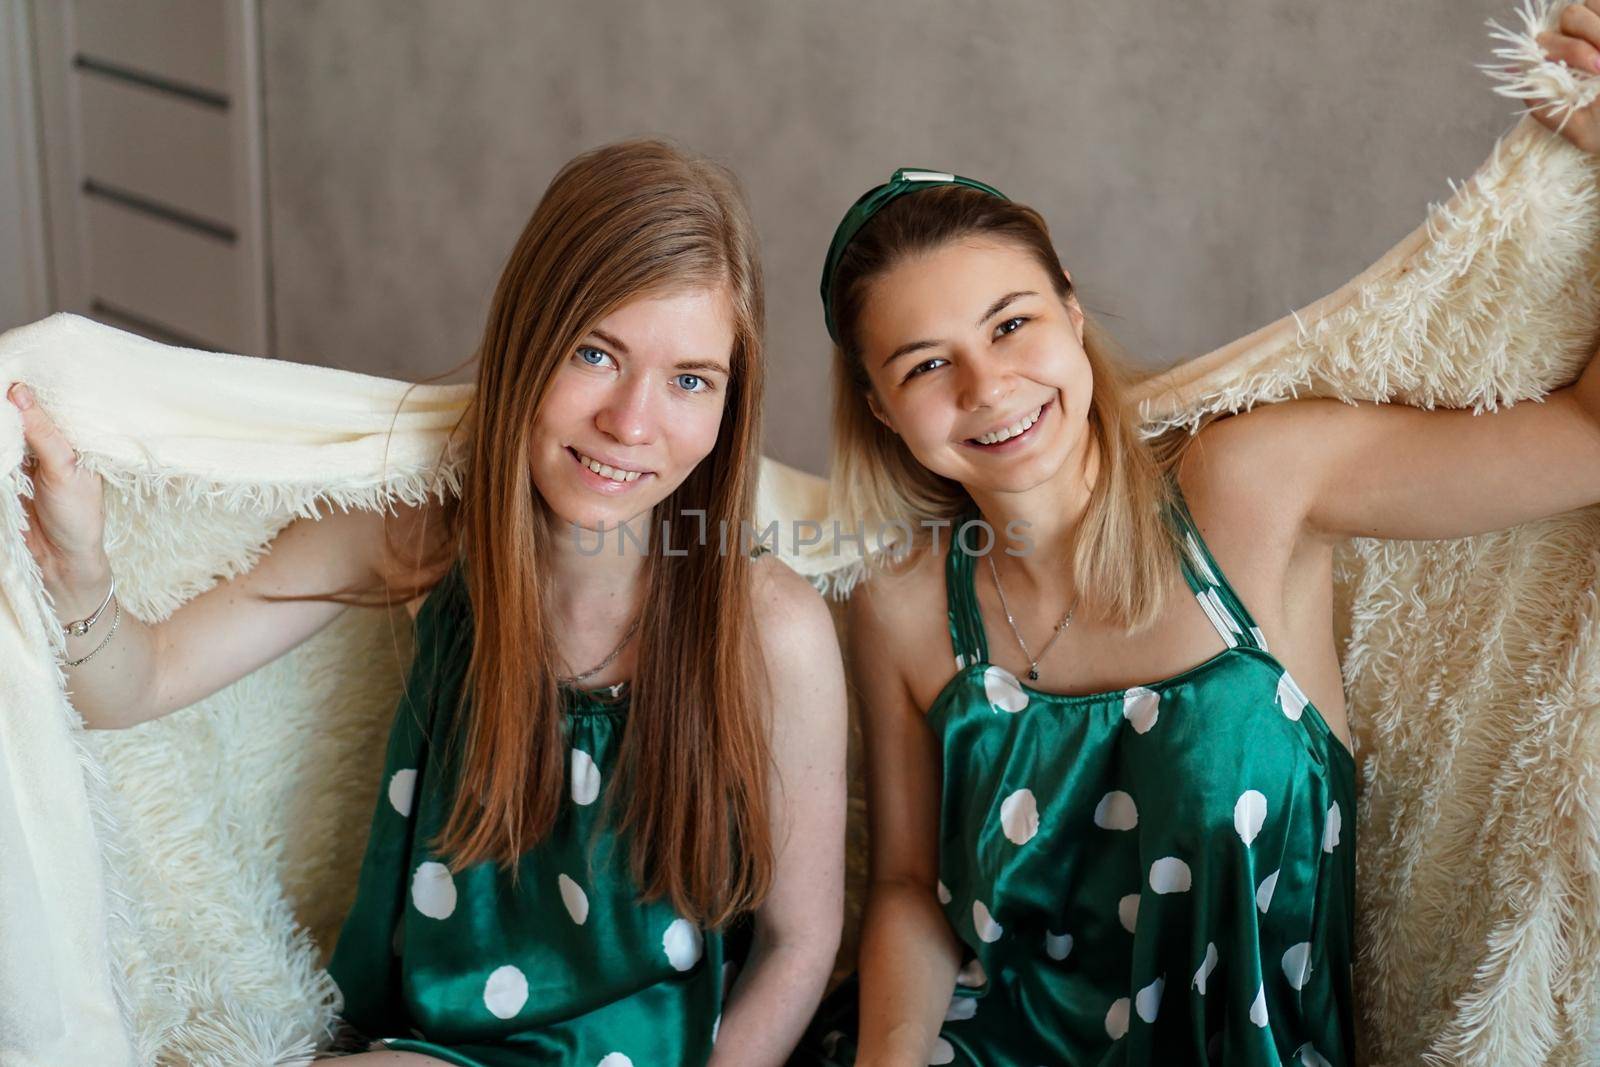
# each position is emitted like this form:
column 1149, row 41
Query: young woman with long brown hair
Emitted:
column 621, row 734
column 1117, row 825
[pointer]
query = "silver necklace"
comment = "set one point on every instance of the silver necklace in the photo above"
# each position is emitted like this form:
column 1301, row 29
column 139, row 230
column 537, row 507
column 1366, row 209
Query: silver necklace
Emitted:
column 574, row 679
column 1033, row 661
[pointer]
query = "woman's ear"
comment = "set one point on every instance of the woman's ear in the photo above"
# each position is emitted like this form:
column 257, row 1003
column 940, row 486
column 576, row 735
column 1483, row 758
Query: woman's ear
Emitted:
column 1074, row 309
column 877, row 411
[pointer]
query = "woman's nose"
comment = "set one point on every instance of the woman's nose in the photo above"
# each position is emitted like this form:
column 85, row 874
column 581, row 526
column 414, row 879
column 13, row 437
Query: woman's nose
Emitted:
column 626, row 416
column 983, row 384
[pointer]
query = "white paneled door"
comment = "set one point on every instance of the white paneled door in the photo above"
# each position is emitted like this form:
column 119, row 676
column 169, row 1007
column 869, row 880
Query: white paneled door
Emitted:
column 150, row 116
column 24, row 268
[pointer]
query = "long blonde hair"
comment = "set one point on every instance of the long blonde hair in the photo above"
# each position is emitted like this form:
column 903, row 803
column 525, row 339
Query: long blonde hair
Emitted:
column 1123, row 553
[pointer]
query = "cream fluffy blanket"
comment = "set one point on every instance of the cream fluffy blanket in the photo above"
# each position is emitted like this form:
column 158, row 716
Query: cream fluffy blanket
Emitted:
column 169, row 892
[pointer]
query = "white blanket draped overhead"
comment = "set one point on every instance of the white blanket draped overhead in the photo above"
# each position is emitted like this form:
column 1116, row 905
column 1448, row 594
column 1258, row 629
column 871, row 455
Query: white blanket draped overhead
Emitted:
column 169, row 892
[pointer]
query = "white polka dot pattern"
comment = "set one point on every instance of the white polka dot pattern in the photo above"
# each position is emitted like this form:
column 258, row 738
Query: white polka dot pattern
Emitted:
column 505, row 992
column 585, row 778
column 1269, row 885
column 1003, row 691
column 1297, row 964
column 1116, row 811
column 682, row 943
column 1248, row 814
column 1019, row 817
column 1290, row 698
column 1207, row 965
column 576, row 900
column 433, row 891
column 1258, row 1008
column 402, row 789
column 1310, row 1057
column 1169, row 875
column 1117, row 1019
column 1148, row 1001
column 983, row 923
column 1142, row 708
column 1059, row 946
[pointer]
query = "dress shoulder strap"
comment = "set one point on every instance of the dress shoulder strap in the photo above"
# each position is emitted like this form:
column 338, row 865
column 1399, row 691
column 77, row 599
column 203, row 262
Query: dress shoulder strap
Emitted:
column 967, row 637
column 1210, row 586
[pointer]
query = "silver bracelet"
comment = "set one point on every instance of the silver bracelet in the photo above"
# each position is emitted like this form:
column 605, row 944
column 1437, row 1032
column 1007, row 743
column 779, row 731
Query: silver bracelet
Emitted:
column 116, row 619
column 81, row 627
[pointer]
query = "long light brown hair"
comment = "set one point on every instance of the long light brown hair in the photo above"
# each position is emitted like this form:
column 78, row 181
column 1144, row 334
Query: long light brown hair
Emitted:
column 1122, row 553
column 690, row 794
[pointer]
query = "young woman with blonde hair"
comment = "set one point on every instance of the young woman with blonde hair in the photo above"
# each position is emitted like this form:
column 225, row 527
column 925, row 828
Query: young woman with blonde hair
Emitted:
column 620, row 737
column 1116, row 824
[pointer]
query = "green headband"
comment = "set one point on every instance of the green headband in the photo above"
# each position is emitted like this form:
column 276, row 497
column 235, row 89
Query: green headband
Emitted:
column 905, row 180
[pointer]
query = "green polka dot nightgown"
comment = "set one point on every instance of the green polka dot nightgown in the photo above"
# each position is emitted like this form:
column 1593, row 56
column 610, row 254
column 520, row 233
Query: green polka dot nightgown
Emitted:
column 567, row 968
column 1159, row 875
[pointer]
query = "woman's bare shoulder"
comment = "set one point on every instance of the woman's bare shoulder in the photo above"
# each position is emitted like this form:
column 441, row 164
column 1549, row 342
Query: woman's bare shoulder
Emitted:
column 895, row 602
column 799, row 642
column 409, row 547
column 406, row 537
column 783, row 599
column 1241, row 476
column 1278, row 450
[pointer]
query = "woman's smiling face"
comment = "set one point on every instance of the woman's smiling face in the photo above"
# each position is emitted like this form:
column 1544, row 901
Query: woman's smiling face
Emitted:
column 635, row 407
column 978, row 364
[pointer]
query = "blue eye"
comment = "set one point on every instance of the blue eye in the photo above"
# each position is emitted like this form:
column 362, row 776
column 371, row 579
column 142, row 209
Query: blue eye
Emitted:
column 585, row 353
column 692, row 383
column 1011, row 325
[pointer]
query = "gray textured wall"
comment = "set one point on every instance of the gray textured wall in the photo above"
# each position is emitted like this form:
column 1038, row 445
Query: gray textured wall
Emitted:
column 1205, row 165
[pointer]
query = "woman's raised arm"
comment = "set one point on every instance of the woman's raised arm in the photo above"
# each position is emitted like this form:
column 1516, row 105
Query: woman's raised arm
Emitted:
column 144, row 672
column 1397, row 472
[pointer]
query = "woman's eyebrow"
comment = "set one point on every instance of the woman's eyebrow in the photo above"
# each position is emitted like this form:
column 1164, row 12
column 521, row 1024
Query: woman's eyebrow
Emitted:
column 910, row 346
column 701, row 364
column 614, row 342
column 1003, row 303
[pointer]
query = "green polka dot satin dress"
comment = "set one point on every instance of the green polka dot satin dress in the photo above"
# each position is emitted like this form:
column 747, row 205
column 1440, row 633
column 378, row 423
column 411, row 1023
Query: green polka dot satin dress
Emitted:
column 1158, row 875
column 566, row 968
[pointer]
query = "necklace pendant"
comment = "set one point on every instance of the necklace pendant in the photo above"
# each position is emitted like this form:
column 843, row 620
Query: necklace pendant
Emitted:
column 1033, row 674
